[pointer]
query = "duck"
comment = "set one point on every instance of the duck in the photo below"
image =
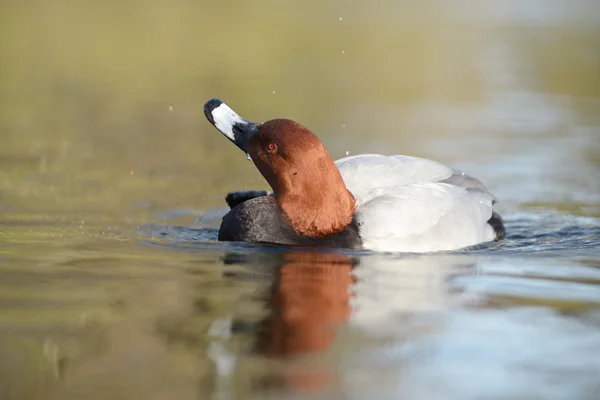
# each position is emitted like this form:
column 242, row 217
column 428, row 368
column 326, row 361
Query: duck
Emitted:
column 382, row 203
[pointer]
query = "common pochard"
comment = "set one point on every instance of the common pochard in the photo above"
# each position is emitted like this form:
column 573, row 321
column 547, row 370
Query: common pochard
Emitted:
column 369, row 201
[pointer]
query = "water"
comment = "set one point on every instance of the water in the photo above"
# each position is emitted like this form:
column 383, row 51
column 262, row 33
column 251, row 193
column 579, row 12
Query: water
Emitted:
column 513, row 319
column 112, row 282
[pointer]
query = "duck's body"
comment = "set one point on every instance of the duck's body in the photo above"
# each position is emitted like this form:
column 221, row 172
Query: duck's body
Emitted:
column 260, row 220
column 382, row 203
column 413, row 204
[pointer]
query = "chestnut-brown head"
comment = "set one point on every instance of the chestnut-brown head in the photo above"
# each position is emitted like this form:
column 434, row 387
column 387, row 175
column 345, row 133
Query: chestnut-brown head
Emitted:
column 306, row 182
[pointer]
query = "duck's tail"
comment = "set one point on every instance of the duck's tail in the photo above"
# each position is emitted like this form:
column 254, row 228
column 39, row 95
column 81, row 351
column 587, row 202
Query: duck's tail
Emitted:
column 497, row 223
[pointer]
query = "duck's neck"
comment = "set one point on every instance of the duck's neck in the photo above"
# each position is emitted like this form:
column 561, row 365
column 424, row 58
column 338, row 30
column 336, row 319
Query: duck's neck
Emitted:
column 318, row 207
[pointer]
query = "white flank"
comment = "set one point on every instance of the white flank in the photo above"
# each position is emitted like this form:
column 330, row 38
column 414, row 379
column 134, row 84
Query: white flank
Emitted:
column 403, row 204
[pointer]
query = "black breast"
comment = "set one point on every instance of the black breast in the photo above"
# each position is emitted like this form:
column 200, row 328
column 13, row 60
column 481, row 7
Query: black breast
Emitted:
column 260, row 220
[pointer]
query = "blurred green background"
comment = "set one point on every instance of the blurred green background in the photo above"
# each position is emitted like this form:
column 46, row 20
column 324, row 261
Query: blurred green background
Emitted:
column 101, row 102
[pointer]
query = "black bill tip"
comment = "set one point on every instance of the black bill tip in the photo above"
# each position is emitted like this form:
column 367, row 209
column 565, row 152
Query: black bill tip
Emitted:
column 209, row 107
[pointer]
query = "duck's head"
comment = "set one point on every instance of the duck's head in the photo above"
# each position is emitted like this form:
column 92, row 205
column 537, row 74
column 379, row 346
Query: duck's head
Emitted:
column 306, row 182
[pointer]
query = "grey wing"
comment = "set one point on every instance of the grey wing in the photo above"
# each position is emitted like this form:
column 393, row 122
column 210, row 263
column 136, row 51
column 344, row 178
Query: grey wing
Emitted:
column 459, row 178
column 365, row 174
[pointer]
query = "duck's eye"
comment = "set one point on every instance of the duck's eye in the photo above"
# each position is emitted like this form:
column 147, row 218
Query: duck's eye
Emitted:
column 272, row 148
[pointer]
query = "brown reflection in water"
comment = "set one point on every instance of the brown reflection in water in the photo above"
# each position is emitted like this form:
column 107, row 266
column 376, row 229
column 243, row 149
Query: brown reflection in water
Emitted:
column 309, row 301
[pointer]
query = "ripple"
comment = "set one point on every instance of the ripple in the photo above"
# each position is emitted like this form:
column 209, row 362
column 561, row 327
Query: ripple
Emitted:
column 549, row 234
column 519, row 353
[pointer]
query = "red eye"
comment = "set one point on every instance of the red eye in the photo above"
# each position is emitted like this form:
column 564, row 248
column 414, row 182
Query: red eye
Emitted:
column 271, row 147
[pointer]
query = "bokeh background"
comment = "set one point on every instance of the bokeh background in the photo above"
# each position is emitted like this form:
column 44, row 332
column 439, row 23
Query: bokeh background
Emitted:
column 102, row 135
column 101, row 103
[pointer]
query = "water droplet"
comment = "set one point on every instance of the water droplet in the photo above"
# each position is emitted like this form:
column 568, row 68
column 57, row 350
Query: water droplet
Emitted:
column 340, row 18
column 347, row 152
column 343, row 52
column 170, row 108
column 343, row 126
column 273, row 92
column 248, row 155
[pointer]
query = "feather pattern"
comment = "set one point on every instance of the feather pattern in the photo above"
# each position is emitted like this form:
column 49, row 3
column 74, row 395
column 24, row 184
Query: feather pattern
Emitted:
column 414, row 204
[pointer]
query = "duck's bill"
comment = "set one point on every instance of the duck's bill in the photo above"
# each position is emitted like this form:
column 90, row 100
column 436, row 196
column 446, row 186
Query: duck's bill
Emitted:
column 234, row 127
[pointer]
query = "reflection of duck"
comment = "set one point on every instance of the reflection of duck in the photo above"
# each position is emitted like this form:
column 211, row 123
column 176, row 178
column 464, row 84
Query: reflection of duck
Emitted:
column 395, row 203
column 309, row 299
column 311, row 295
